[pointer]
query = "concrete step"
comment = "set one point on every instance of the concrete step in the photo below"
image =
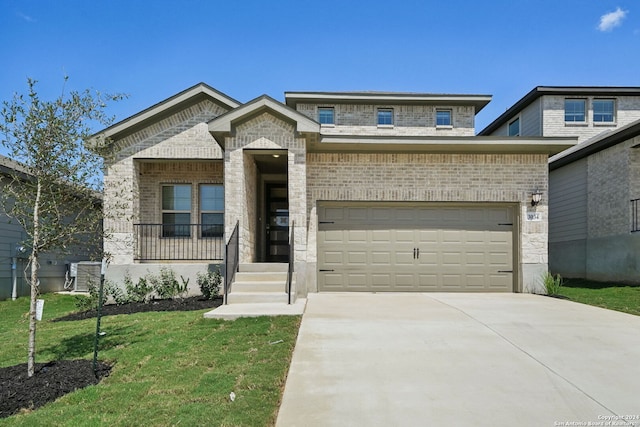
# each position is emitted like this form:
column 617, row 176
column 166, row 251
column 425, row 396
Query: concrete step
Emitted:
column 261, row 276
column 261, row 267
column 259, row 286
column 256, row 297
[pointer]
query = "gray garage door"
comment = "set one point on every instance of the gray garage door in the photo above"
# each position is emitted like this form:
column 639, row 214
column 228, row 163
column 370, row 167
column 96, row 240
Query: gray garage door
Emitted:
column 421, row 248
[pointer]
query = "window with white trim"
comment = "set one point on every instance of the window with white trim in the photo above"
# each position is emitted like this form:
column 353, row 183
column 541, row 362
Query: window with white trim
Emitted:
column 176, row 210
column 385, row 117
column 575, row 110
column 514, row 127
column 603, row 111
column 326, row 115
column 212, row 210
column 443, row 118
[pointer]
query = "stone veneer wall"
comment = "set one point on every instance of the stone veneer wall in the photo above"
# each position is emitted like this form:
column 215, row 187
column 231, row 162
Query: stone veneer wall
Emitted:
column 412, row 120
column 501, row 178
column 184, row 135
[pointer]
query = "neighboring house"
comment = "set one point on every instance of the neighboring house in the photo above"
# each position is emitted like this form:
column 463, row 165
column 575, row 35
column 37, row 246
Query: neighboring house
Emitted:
column 54, row 267
column 381, row 191
column 594, row 186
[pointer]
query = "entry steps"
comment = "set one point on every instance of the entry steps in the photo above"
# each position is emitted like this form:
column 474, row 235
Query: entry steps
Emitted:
column 260, row 283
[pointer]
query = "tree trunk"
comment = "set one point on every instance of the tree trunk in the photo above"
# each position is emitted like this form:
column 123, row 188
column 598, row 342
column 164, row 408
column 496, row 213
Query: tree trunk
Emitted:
column 33, row 259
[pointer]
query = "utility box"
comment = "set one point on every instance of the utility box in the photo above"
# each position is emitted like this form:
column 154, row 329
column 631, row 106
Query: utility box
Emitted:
column 84, row 272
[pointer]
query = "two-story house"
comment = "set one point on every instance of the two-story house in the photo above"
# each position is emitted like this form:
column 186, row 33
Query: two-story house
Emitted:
column 358, row 191
column 594, row 187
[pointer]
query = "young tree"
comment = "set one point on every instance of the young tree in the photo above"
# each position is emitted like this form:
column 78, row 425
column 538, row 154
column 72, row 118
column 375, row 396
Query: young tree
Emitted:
column 54, row 195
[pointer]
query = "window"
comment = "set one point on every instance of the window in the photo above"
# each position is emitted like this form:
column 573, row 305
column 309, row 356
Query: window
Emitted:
column 443, row 118
column 385, row 117
column 574, row 110
column 326, row 116
column 212, row 210
column 514, row 127
column 603, row 111
column 176, row 210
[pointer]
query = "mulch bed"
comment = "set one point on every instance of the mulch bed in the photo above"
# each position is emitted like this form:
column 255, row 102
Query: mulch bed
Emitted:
column 18, row 393
column 50, row 381
column 185, row 304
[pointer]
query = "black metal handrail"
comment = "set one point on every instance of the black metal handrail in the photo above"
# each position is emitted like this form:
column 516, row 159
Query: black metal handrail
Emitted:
column 231, row 260
column 291, row 260
column 179, row 242
column 635, row 217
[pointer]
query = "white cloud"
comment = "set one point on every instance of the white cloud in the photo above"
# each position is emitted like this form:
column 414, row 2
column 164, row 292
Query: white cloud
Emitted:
column 26, row 17
column 610, row 20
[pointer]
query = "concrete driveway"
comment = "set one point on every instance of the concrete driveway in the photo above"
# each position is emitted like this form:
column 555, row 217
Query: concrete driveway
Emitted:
column 461, row 360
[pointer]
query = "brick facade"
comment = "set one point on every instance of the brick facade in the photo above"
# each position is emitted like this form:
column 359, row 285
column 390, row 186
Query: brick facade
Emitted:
column 415, row 120
column 181, row 149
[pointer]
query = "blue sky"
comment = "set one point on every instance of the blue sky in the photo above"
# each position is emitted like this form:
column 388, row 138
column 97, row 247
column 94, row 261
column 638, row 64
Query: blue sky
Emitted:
column 151, row 50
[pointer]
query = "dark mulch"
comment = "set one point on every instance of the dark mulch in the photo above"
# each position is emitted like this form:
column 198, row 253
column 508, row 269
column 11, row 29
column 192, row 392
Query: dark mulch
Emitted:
column 185, row 304
column 55, row 379
column 49, row 382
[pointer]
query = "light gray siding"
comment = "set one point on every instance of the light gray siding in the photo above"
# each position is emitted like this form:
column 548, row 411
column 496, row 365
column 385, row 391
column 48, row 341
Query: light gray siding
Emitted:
column 53, row 266
column 531, row 119
column 568, row 202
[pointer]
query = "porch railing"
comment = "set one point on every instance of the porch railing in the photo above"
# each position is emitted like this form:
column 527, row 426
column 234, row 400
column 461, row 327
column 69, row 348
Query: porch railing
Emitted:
column 291, row 261
column 635, row 215
column 179, row 242
column 231, row 260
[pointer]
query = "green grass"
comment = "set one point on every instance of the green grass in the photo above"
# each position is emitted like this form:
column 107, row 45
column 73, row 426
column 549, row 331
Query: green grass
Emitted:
column 171, row 368
column 613, row 296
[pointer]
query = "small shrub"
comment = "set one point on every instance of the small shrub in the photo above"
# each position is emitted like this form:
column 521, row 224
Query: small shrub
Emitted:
column 209, row 283
column 139, row 292
column 91, row 302
column 183, row 288
column 114, row 291
column 165, row 285
column 552, row 284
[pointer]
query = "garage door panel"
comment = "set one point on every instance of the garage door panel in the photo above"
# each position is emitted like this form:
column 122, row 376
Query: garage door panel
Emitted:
column 461, row 248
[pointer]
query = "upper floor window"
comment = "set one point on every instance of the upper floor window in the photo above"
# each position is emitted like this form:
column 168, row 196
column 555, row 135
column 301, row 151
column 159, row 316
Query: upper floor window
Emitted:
column 212, row 210
column 575, row 110
column 385, row 117
column 603, row 111
column 326, row 116
column 443, row 118
column 176, row 210
column 514, row 127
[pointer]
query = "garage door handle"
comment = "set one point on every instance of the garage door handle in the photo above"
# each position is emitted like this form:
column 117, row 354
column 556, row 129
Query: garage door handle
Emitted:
column 505, row 271
column 322, row 270
column 326, row 222
column 417, row 253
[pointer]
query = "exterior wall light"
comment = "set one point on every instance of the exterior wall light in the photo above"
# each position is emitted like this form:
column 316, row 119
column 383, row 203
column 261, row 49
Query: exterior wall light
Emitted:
column 535, row 198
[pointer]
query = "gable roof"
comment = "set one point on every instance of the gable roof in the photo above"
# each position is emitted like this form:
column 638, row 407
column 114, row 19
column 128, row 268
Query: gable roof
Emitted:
column 373, row 97
column 598, row 143
column 539, row 91
column 222, row 125
column 169, row 106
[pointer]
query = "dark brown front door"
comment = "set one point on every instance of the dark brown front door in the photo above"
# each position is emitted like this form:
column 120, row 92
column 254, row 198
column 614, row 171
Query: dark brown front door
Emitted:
column 277, row 230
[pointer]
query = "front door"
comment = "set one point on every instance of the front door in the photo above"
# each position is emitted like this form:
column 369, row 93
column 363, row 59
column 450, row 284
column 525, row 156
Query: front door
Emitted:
column 277, row 227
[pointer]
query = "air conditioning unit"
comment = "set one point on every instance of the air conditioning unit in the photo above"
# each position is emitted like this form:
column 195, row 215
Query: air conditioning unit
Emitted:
column 84, row 272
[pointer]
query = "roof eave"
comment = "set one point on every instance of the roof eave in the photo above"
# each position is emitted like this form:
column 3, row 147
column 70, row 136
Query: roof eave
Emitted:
column 165, row 108
column 477, row 101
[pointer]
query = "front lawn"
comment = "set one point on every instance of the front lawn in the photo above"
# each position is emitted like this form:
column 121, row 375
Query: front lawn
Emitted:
column 169, row 368
column 613, row 296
